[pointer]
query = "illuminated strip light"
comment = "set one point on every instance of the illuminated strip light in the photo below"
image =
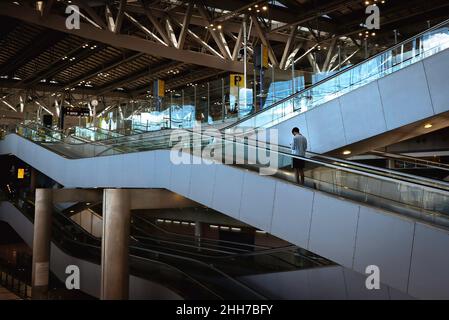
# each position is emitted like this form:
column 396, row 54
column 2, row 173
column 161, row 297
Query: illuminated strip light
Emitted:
column 22, row 105
column 40, row 105
column 260, row 231
column 9, row 105
column 212, row 226
column 236, row 229
column 58, row 110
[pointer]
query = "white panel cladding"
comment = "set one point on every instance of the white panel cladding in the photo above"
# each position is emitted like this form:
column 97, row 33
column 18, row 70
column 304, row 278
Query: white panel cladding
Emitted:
column 101, row 171
column 362, row 113
column 429, row 277
column 292, row 213
column 162, row 168
column 405, row 96
column 333, row 228
column 385, row 241
column 437, row 69
column 202, row 183
column 135, row 169
column 256, row 206
column 285, row 130
column 228, row 190
column 325, row 127
column 180, row 178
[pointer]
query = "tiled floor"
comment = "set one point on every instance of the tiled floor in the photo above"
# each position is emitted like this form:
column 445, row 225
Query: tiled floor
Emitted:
column 7, row 295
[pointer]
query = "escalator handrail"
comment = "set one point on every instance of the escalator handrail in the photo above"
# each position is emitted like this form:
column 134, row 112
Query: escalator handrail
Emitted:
column 336, row 75
column 321, row 163
column 400, row 156
column 441, row 184
column 210, row 266
column 66, row 238
column 202, row 238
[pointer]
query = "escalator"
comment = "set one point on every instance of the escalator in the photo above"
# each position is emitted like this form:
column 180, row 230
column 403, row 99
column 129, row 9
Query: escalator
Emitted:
column 190, row 278
column 234, row 258
column 340, row 181
column 421, row 197
column 413, row 165
column 358, row 103
column 195, row 268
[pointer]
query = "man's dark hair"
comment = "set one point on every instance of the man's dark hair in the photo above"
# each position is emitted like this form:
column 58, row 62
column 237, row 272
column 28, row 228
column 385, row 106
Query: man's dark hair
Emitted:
column 295, row 130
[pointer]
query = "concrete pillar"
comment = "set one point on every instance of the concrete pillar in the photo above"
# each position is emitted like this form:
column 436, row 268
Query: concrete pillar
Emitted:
column 115, row 244
column 198, row 229
column 41, row 243
column 198, row 233
column 390, row 164
column 32, row 181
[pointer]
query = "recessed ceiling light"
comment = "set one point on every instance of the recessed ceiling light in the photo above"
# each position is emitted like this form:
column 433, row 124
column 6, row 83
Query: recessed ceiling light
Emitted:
column 428, row 125
column 347, row 152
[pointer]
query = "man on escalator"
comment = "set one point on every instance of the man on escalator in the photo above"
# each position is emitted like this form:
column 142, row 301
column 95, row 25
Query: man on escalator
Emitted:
column 299, row 148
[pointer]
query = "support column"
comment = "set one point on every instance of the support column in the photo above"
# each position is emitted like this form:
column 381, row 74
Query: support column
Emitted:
column 32, row 181
column 390, row 164
column 115, row 244
column 41, row 243
column 198, row 232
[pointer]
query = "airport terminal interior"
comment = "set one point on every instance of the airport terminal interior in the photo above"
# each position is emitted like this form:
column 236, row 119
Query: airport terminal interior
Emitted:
column 147, row 150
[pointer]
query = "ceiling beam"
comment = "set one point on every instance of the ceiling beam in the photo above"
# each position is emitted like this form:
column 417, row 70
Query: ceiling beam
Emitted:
column 120, row 13
column 152, row 73
column 111, row 65
column 185, row 26
column 120, row 40
column 216, row 35
column 264, row 40
column 155, row 22
column 42, row 42
column 46, row 87
column 91, row 13
column 287, row 48
column 229, row 26
column 80, row 54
